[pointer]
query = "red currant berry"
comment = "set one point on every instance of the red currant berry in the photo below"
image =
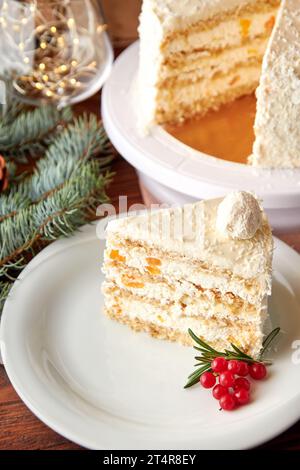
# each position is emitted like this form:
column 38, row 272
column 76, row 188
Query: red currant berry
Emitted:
column 207, row 380
column 244, row 369
column 226, row 379
column 227, row 402
column 258, row 371
column 219, row 391
column 234, row 366
column 241, row 382
column 219, row 364
column 242, row 396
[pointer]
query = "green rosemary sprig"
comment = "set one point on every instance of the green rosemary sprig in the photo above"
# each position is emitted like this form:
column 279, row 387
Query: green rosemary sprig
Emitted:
column 267, row 342
column 208, row 354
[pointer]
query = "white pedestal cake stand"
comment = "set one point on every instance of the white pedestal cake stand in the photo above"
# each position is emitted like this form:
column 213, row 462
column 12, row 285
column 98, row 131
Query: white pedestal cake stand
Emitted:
column 171, row 172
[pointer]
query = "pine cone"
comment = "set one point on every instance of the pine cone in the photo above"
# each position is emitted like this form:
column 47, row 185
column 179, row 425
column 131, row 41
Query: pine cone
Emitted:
column 3, row 175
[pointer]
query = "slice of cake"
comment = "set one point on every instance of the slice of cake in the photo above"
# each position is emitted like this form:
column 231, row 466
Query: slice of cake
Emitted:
column 196, row 55
column 277, row 131
column 205, row 266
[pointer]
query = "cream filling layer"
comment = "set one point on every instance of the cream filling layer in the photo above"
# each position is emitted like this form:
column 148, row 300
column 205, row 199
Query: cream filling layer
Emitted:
column 183, row 297
column 197, row 307
column 175, row 269
column 168, row 100
column 229, row 33
column 207, row 64
column 210, row 330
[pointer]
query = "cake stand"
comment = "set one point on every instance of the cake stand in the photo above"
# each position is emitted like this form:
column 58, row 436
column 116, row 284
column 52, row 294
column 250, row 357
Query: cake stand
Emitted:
column 171, row 172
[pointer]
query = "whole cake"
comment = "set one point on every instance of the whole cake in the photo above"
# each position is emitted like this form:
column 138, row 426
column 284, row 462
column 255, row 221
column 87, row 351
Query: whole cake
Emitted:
column 196, row 55
column 205, row 266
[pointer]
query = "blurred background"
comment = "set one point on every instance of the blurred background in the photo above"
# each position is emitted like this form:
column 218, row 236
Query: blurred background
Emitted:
column 122, row 19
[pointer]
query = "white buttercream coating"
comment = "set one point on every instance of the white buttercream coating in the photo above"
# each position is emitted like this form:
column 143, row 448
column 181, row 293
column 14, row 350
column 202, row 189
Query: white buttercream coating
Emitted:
column 178, row 13
column 190, row 231
column 239, row 216
column 278, row 96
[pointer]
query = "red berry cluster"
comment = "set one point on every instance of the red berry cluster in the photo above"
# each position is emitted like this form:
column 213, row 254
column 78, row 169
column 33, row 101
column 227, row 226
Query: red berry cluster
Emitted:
column 233, row 388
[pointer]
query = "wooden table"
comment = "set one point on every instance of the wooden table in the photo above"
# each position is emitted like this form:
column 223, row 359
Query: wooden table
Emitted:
column 19, row 428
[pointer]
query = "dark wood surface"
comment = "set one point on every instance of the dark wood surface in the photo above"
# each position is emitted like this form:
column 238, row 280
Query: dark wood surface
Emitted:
column 19, row 428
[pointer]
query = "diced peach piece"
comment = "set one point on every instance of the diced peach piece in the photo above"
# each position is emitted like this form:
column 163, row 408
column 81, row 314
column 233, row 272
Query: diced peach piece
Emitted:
column 153, row 270
column 269, row 25
column 134, row 285
column 245, row 27
column 130, row 281
column 153, row 261
column 115, row 255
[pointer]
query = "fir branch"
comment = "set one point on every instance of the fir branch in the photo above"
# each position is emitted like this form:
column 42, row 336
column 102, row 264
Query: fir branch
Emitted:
column 11, row 270
column 29, row 132
column 80, row 141
column 59, row 215
column 11, row 202
column 12, row 170
column 67, row 206
column 62, row 192
column 16, row 234
column 14, row 108
column 4, row 292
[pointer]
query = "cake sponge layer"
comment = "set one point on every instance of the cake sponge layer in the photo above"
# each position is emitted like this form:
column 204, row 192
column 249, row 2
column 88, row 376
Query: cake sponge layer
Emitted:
column 143, row 316
column 182, row 296
column 195, row 99
column 233, row 31
column 182, row 68
column 146, row 260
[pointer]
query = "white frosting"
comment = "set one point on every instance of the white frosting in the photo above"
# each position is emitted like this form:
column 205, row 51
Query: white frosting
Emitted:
column 190, row 231
column 180, row 13
column 239, row 216
column 278, row 97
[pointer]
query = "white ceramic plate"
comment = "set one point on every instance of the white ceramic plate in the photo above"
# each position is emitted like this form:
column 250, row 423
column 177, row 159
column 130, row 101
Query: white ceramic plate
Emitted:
column 103, row 386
